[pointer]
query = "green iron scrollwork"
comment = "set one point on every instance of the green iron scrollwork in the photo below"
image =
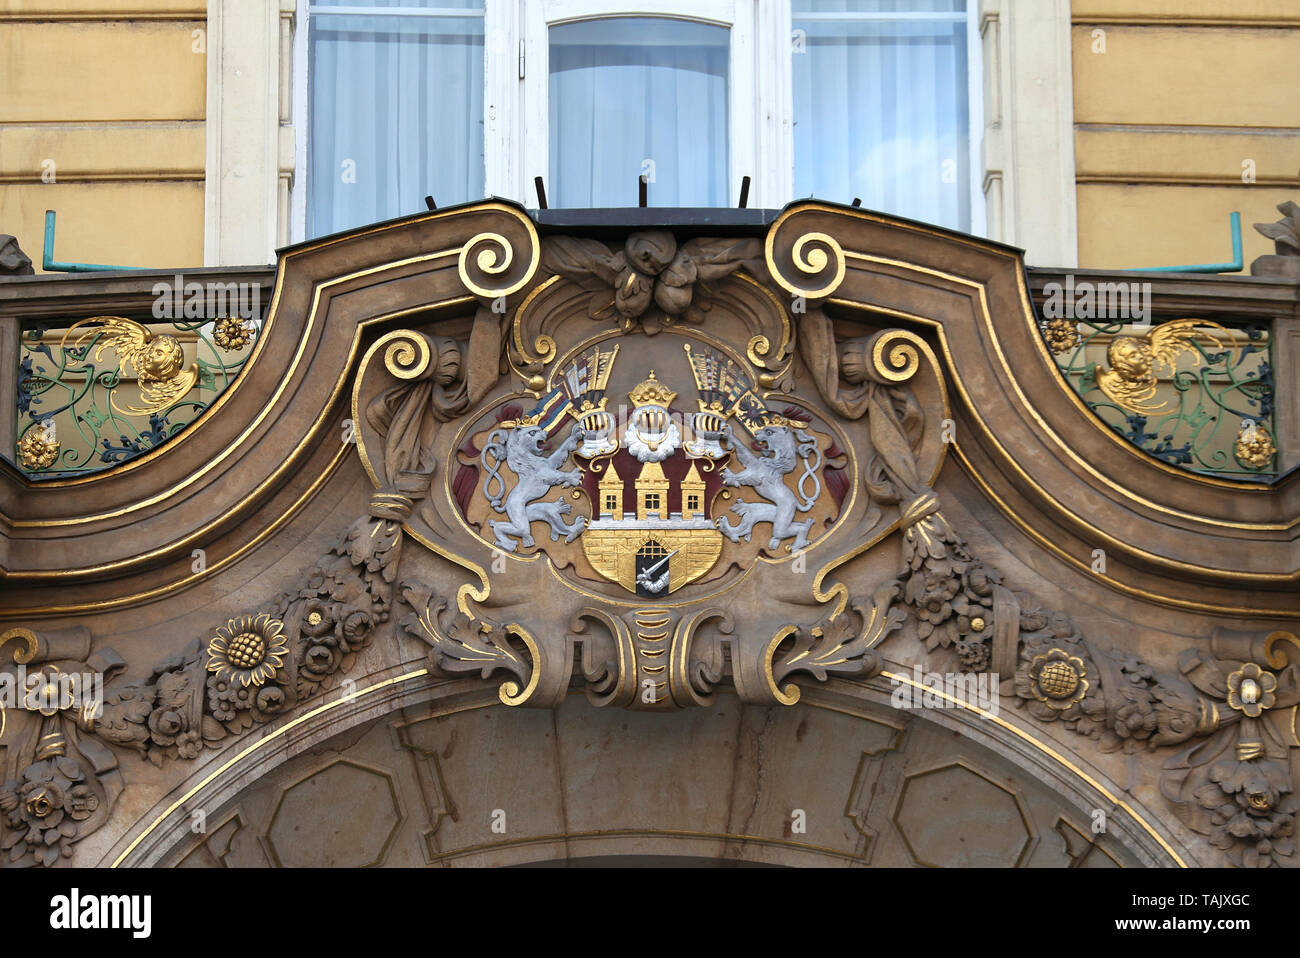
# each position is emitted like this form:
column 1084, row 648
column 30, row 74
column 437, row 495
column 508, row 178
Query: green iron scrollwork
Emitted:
column 104, row 390
column 1191, row 392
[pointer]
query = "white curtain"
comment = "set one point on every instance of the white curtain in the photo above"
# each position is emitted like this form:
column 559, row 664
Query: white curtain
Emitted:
column 881, row 107
column 396, row 112
column 633, row 95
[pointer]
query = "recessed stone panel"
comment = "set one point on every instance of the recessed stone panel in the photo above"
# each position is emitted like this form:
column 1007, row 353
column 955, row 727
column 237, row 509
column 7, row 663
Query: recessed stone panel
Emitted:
column 954, row 816
column 344, row 815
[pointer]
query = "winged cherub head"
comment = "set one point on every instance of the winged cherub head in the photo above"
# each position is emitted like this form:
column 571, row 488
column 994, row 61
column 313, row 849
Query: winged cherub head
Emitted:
column 1131, row 358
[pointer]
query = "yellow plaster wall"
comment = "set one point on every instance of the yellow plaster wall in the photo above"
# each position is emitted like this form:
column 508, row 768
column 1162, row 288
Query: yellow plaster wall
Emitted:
column 1166, row 118
column 114, row 94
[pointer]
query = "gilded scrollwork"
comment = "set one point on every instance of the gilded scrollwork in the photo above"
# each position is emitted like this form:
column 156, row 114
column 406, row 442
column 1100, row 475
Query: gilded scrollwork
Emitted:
column 697, row 664
column 1232, row 782
column 1193, row 393
column 841, row 644
column 804, row 262
column 949, row 592
column 650, row 284
column 607, row 647
column 458, row 643
column 1131, row 380
column 157, row 359
column 502, row 261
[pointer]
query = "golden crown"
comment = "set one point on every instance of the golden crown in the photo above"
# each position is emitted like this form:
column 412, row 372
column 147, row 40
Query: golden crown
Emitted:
column 521, row 421
column 651, row 392
column 770, row 418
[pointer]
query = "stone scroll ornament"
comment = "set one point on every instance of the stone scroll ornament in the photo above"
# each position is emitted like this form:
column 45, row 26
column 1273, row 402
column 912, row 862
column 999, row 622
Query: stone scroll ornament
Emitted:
column 1285, row 234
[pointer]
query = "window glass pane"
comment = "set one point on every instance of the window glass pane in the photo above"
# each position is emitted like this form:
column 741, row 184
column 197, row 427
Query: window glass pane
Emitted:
column 396, row 110
column 881, row 106
column 633, row 95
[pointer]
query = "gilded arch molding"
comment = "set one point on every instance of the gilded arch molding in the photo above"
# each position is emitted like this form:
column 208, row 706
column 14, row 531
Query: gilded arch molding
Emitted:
column 852, row 377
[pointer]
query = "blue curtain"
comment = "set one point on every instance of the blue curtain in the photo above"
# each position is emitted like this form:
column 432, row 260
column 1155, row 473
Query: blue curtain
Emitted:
column 396, row 112
column 633, row 95
column 881, row 107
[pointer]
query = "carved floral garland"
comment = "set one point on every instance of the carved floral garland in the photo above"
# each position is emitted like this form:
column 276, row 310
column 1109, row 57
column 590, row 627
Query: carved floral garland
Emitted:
column 251, row 670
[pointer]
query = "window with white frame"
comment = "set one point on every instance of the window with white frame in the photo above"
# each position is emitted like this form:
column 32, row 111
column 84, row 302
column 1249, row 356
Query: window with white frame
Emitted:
column 837, row 99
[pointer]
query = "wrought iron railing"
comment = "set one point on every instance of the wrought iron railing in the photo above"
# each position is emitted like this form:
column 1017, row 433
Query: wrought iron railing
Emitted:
column 1193, row 393
column 103, row 390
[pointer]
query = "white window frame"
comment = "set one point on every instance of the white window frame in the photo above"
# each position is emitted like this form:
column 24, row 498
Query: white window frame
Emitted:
column 975, row 118
column 298, row 194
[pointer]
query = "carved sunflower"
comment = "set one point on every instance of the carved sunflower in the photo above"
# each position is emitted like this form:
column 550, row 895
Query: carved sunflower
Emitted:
column 1250, row 690
column 973, row 654
column 248, row 650
column 1058, row 679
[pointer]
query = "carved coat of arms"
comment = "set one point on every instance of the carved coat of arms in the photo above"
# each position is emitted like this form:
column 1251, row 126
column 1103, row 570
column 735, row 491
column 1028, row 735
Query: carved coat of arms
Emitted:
column 656, row 467
column 645, row 494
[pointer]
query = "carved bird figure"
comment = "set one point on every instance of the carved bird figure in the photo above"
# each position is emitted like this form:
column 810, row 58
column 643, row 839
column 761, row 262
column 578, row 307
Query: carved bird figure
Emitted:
column 157, row 358
column 1131, row 380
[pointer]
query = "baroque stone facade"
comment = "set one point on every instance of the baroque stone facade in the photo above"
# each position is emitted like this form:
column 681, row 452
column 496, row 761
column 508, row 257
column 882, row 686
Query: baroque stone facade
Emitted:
column 519, row 542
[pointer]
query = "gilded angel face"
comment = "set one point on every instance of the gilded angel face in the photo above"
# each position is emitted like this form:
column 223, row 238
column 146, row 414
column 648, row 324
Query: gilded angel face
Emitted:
column 162, row 358
column 1131, row 358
